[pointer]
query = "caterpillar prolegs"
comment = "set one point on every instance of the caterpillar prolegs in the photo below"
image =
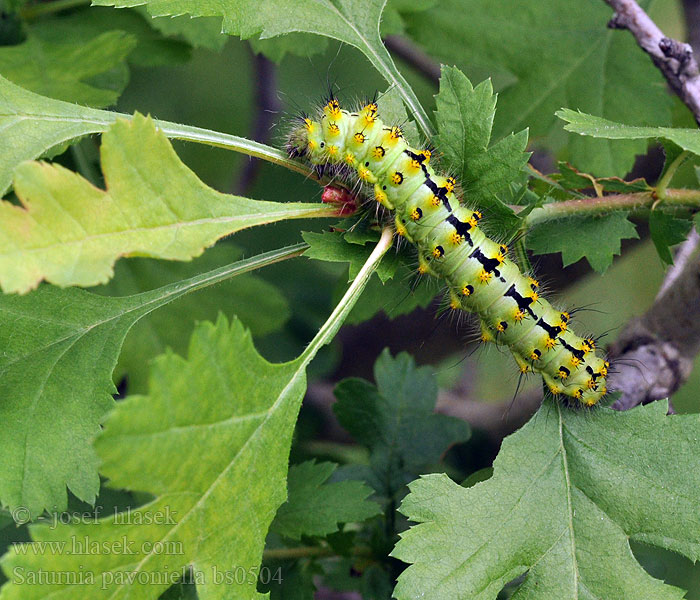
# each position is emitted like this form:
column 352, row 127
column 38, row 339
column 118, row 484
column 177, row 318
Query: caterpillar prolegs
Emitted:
column 481, row 278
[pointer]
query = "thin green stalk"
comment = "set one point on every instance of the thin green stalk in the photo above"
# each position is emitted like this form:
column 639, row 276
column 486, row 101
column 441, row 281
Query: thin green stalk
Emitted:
column 48, row 8
column 311, row 552
column 675, row 198
column 665, row 179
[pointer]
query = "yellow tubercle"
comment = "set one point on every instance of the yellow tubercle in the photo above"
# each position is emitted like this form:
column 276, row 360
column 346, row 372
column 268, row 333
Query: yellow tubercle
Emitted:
column 549, row 343
column 518, row 315
column 435, row 200
column 455, row 238
column 485, row 276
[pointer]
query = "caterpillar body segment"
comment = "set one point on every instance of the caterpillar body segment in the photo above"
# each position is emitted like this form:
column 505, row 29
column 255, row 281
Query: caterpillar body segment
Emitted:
column 481, row 277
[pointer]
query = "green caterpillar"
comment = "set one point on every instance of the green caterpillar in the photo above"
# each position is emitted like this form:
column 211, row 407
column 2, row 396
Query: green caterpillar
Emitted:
column 451, row 246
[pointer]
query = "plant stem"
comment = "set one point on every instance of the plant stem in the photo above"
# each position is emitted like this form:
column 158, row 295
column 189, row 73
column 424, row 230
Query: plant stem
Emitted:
column 48, row 8
column 345, row 453
column 677, row 198
column 311, row 552
column 665, row 179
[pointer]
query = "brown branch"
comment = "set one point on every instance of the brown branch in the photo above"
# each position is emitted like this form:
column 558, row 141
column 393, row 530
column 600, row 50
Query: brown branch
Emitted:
column 655, row 352
column 691, row 8
column 673, row 58
column 414, row 56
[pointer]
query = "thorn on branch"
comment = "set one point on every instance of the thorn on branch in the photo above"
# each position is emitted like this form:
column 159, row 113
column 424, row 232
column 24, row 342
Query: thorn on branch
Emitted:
column 679, row 51
column 617, row 22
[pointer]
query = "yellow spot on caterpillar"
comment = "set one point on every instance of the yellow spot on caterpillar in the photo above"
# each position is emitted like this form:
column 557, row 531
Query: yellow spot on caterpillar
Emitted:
column 415, row 165
column 485, row 276
column 555, row 389
column 534, row 284
column 585, row 347
column 416, row 214
column 535, row 354
column 450, row 184
column 535, row 296
column 578, row 393
column 423, row 269
column 369, row 113
column 478, row 215
column 454, row 304
column 438, row 252
column 563, row 325
column 455, row 238
column 591, row 343
column 590, row 384
column 563, row 374
column 504, row 249
column 518, row 315
column 395, row 133
column 309, row 124
column 549, row 343
column 589, row 401
column 312, row 145
column 396, row 178
column 473, row 221
column 500, row 258
column 333, row 129
column 575, row 361
column 501, row 326
column 435, row 200
column 486, row 337
column 378, row 152
column 604, row 370
column 565, row 317
column 467, row 290
column 603, row 390
column 350, row 158
column 400, row 229
column 364, row 173
column 427, row 155
column 333, row 150
column 333, row 108
column 524, row 368
column 359, row 137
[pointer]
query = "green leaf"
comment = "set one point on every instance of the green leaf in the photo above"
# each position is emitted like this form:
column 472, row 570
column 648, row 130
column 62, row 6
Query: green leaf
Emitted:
column 259, row 305
column 314, row 507
column 63, row 70
column 396, row 420
column 595, row 238
column 583, row 124
column 33, row 125
column 553, row 54
column 330, row 246
column 464, row 118
column 571, row 178
column 211, row 444
column 200, row 33
column 59, row 350
column 70, row 233
column 569, row 491
column 297, row 44
column 667, row 231
column 354, row 22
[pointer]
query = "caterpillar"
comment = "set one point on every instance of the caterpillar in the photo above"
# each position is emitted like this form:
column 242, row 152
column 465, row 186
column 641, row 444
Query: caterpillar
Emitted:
column 480, row 276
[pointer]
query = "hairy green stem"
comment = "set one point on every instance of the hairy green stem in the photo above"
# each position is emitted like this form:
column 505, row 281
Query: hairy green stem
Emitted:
column 49, row 8
column 665, row 179
column 676, row 198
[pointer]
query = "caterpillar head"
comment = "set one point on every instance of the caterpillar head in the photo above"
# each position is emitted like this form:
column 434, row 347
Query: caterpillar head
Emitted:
column 307, row 140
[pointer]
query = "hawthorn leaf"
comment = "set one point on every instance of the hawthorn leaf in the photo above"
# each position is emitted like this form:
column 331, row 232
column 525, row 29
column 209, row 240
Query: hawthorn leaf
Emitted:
column 314, row 507
column 59, row 350
column 465, row 118
column 595, row 238
column 395, row 419
column 568, row 493
column 64, row 70
column 35, row 125
column 70, row 233
column 666, row 230
column 211, row 443
column 584, row 124
column 330, row 246
column 553, row 54
column 354, row 22
column 258, row 304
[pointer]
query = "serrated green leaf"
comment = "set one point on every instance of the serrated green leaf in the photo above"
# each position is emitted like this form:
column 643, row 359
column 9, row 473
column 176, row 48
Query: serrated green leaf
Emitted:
column 354, row 22
column 212, row 445
column 583, row 124
column 569, row 491
column 553, row 54
column 393, row 111
column 200, row 33
column 314, row 507
column 666, row 231
column 63, row 70
column 59, row 350
column 396, row 420
column 331, row 246
column 595, row 238
column 259, row 305
column 32, row 125
column 71, row 233
column 465, row 117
